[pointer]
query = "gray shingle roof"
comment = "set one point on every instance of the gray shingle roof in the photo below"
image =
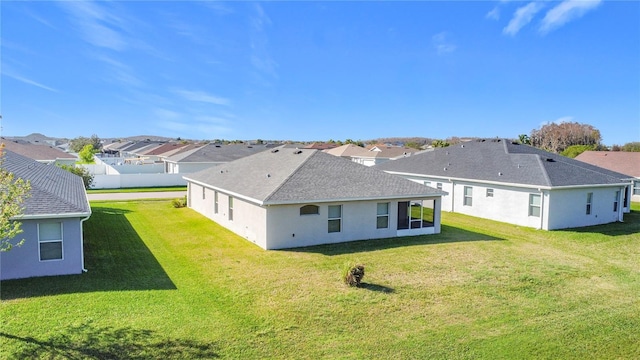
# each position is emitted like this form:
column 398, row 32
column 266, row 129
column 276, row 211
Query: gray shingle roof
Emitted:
column 306, row 175
column 217, row 153
column 499, row 160
column 54, row 191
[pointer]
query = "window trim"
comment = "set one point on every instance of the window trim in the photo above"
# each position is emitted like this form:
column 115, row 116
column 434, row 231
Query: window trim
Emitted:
column 533, row 206
column 230, row 208
column 467, row 199
column 331, row 220
column 489, row 192
column 589, row 203
column 439, row 186
column 49, row 241
column 382, row 215
column 616, row 201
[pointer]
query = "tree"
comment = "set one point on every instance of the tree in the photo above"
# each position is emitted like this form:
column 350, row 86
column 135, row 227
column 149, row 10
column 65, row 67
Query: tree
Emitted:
column 575, row 150
column 86, row 154
column 12, row 197
column 524, row 139
column 557, row 137
column 87, row 177
column 439, row 143
column 80, row 142
column 632, row 146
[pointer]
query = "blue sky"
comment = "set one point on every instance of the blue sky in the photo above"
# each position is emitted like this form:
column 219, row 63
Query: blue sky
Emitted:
column 319, row 70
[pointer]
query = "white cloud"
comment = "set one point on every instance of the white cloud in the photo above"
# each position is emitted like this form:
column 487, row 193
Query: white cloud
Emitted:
column 260, row 56
column 166, row 114
column 29, row 81
column 201, row 96
column 96, row 24
column 522, row 17
column 566, row 11
column 442, row 43
column 494, row 14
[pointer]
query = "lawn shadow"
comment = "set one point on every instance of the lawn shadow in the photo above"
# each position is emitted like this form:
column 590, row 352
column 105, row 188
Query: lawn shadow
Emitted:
column 86, row 341
column 377, row 288
column 448, row 234
column 116, row 259
column 630, row 226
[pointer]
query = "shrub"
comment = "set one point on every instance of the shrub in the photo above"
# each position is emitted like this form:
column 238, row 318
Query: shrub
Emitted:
column 354, row 274
column 179, row 203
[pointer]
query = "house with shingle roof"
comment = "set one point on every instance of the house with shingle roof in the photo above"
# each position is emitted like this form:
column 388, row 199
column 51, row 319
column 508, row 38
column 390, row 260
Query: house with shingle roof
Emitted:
column 51, row 222
column 42, row 153
column 624, row 162
column 285, row 198
column 502, row 180
column 209, row 155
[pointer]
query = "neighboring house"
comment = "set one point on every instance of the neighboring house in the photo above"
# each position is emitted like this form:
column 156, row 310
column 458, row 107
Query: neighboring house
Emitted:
column 619, row 161
column 287, row 198
column 51, row 224
column 320, row 146
column 519, row 184
column 372, row 155
column 204, row 157
column 42, row 153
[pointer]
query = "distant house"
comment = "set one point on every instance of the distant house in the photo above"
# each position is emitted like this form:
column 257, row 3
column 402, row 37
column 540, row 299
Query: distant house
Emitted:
column 204, row 157
column 52, row 222
column 619, row 161
column 42, row 153
column 371, row 155
column 287, row 198
column 519, row 184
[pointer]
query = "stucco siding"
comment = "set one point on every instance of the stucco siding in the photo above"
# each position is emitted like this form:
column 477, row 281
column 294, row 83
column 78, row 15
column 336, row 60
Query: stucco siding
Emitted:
column 568, row 208
column 24, row 261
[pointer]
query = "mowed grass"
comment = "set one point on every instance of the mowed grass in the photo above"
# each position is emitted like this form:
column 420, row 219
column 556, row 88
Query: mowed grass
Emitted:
column 169, row 283
column 137, row 190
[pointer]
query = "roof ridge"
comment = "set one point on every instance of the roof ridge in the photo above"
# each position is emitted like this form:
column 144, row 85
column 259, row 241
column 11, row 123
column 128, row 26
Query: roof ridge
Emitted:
column 284, row 181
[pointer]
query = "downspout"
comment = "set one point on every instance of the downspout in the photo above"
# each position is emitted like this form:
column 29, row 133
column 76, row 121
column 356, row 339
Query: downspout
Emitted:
column 82, row 241
column 453, row 195
column 621, row 204
column 542, row 212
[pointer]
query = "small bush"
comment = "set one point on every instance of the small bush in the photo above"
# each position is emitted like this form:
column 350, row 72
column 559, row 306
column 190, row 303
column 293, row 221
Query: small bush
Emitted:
column 179, row 203
column 353, row 276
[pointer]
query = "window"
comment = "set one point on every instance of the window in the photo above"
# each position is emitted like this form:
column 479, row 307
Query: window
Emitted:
column 439, row 186
column 310, row 210
column 468, row 196
column 215, row 202
column 636, row 188
column 230, row 208
column 534, row 205
column 427, row 183
column 589, row 200
column 489, row 192
column 204, row 194
column 50, row 241
column 335, row 218
column 382, row 221
column 415, row 214
column 615, row 201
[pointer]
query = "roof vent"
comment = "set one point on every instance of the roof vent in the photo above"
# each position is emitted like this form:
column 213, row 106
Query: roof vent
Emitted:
column 297, row 152
column 275, row 150
column 550, row 160
column 250, row 147
column 268, row 175
column 462, row 145
column 445, row 169
column 499, row 174
column 217, row 145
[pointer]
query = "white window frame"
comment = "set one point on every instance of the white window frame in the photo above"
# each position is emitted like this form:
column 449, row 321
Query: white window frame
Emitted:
column 50, row 241
column 381, row 215
column 636, row 187
column 439, row 186
column 333, row 219
column 427, row 183
column 467, row 199
column 589, row 203
column 616, row 201
column 215, row 202
column 489, row 192
column 230, row 208
column 533, row 206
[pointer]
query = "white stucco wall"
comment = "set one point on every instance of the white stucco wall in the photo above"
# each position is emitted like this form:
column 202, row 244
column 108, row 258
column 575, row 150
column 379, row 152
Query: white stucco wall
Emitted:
column 282, row 226
column 567, row 208
column 564, row 208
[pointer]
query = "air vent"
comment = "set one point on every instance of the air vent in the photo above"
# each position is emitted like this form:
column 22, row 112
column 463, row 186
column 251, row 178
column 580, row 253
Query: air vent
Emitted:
column 217, row 146
column 275, row 150
column 297, row 152
column 550, row 160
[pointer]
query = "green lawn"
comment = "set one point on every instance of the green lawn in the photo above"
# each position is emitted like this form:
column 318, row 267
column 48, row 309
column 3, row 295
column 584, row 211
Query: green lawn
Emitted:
column 168, row 283
column 136, row 190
